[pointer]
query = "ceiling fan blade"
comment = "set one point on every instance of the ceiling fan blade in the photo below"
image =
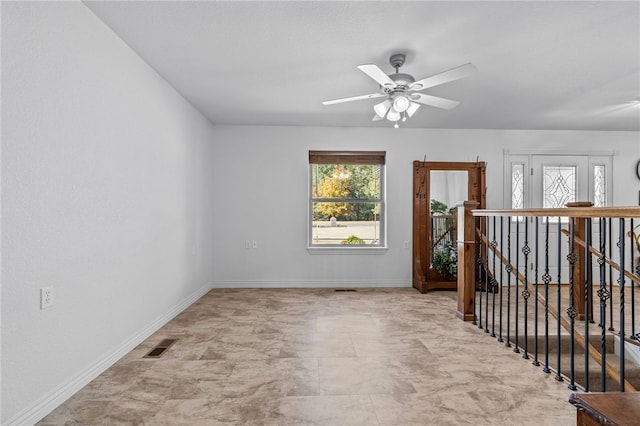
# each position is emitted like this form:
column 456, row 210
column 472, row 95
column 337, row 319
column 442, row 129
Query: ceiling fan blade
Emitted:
column 354, row 98
column 434, row 101
column 444, row 77
column 377, row 118
column 378, row 75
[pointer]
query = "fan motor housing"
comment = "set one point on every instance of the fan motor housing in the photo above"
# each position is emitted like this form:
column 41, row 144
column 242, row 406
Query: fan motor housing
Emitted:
column 402, row 79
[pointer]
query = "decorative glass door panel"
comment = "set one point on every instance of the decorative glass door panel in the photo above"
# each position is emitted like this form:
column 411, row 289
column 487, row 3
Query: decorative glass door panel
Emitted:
column 550, row 181
column 559, row 185
column 556, row 181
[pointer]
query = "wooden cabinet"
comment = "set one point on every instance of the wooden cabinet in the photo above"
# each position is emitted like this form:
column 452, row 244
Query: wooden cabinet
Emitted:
column 611, row 408
column 428, row 177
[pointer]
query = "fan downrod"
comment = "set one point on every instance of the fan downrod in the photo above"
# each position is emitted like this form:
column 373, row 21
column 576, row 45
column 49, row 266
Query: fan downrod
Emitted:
column 402, row 80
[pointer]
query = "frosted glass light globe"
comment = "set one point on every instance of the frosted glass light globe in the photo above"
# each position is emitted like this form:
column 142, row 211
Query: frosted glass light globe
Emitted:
column 393, row 115
column 401, row 104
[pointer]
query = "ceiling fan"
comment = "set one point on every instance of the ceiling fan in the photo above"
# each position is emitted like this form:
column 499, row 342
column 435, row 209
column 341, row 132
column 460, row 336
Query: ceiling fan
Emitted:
column 400, row 89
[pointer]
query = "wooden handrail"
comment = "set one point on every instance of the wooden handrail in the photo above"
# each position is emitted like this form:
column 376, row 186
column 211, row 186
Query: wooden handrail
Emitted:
column 608, row 261
column 594, row 212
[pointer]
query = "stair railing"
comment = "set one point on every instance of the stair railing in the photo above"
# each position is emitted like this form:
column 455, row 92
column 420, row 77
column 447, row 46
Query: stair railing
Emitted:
column 537, row 280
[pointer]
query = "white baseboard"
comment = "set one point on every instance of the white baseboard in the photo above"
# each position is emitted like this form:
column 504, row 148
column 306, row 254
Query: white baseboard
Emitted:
column 43, row 406
column 310, row 284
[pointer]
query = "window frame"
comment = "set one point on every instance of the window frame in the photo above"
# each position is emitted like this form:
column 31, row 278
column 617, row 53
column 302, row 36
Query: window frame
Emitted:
column 348, row 158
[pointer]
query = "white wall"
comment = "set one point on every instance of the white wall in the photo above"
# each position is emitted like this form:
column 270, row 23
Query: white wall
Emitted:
column 105, row 196
column 261, row 179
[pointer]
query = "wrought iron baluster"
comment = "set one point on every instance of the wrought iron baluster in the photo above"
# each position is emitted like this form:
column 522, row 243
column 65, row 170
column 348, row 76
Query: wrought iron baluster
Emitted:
column 493, row 281
column 589, row 272
column 486, row 278
column 546, row 278
column 603, row 294
column 611, row 274
column 509, row 268
column 636, row 269
column 476, row 238
column 535, row 306
column 559, row 302
column 516, row 349
column 621, row 282
column 500, row 339
column 571, row 310
column 525, row 292
column 480, row 265
column 588, row 308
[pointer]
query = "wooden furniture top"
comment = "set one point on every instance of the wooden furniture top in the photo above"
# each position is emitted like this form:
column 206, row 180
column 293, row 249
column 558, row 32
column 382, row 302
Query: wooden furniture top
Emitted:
column 449, row 165
column 610, row 408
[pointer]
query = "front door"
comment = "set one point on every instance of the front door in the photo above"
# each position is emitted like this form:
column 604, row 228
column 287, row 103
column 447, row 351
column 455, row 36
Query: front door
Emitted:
column 555, row 181
column 535, row 180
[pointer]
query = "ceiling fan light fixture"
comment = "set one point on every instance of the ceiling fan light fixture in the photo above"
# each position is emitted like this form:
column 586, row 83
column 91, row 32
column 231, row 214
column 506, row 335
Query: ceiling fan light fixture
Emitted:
column 382, row 108
column 401, row 103
column 393, row 115
column 412, row 108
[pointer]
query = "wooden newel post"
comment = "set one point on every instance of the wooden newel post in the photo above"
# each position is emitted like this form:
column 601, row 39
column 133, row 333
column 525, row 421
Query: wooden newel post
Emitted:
column 579, row 267
column 466, row 260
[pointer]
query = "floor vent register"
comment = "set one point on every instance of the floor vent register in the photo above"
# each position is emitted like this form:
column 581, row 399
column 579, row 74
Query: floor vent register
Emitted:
column 160, row 348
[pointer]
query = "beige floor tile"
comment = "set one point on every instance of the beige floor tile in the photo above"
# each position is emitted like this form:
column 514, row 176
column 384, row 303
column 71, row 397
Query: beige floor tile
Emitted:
column 377, row 344
column 317, row 345
column 327, row 410
column 319, row 357
column 361, row 376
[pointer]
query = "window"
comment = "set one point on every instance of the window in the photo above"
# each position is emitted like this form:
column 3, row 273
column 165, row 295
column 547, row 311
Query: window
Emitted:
column 346, row 201
column 517, row 189
column 599, row 185
column 517, row 186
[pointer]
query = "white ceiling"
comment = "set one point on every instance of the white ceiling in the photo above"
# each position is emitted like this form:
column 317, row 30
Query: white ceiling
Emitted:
column 542, row 65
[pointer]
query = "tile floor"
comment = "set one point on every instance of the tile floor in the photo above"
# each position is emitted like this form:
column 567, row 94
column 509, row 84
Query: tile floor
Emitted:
column 320, row 357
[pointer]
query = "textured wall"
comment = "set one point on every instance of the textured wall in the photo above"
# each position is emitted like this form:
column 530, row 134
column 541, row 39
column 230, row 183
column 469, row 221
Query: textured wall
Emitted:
column 106, row 197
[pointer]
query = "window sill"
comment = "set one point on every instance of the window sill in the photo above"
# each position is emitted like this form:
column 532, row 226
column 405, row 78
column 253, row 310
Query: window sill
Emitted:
column 347, row 250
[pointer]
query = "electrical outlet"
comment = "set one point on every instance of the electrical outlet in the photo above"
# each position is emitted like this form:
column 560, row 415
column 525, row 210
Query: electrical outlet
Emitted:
column 247, row 244
column 405, row 244
column 255, row 244
column 46, row 297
